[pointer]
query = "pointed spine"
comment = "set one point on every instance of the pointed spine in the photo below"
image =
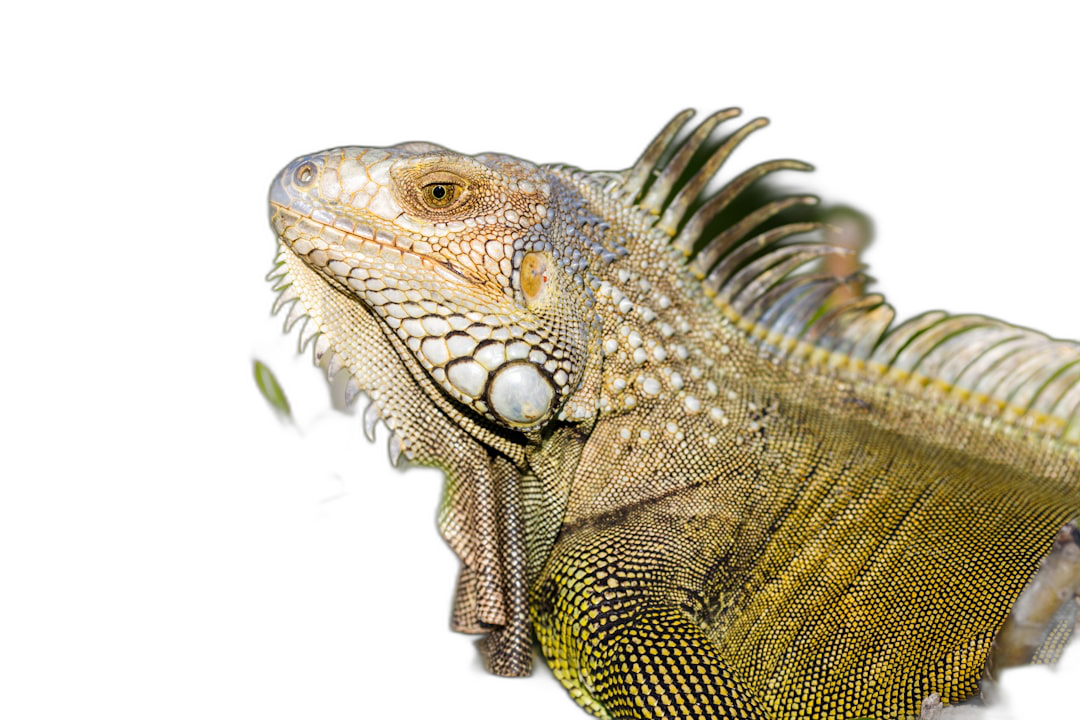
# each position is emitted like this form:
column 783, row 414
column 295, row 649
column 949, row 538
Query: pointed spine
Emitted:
column 950, row 370
column 923, row 346
column 1027, row 394
column 765, row 306
column 731, row 237
column 765, row 272
column 795, row 320
column 394, row 445
column 296, row 313
column 321, row 347
column 898, row 339
column 835, row 322
column 677, row 208
column 1051, row 395
column 660, row 190
column 718, row 276
column 371, row 416
column 1068, row 408
column 788, row 292
column 643, row 168
column 308, row 332
column 990, row 357
column 1013, row 370
column 334, row 366
column 866, row 333
column 352, row 389
column 695, row 226
column 287, row 295
column 339, row 386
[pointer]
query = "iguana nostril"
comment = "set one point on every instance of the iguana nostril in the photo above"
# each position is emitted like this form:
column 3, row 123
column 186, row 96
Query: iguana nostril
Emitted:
column 304, row 174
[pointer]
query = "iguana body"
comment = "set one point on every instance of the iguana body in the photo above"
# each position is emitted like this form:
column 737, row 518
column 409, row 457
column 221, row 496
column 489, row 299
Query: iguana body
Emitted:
column 705, row 487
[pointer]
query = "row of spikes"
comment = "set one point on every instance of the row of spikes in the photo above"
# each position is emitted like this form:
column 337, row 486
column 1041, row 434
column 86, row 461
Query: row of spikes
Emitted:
column 345, row 388
column 757, row 277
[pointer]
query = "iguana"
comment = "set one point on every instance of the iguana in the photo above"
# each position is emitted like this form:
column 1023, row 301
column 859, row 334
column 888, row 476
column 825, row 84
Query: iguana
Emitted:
column 709, row 477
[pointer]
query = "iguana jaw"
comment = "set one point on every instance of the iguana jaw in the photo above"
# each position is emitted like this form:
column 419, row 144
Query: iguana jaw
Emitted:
column 445, row 289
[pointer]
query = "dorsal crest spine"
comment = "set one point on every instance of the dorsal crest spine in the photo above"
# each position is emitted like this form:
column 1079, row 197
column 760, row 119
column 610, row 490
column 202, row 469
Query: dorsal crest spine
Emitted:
column 766, row 281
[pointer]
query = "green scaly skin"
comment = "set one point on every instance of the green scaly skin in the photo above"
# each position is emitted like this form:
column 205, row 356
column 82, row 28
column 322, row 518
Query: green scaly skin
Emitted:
column 707, row 485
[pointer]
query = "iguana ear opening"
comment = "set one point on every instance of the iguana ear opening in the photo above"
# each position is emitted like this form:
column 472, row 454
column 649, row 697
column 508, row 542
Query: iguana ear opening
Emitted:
column 535, row 276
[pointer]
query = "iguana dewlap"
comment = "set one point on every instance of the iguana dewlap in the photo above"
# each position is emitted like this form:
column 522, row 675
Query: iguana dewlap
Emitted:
column 709, row 477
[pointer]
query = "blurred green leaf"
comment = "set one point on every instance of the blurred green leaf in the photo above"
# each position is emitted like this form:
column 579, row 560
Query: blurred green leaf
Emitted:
column 271, row 390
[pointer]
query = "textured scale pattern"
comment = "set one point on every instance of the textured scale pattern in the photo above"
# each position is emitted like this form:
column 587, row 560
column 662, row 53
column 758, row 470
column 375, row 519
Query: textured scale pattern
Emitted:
column 709, row 477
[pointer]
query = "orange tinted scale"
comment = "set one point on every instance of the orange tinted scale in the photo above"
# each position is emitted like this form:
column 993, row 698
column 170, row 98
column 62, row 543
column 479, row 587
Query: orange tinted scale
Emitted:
column 533, row 274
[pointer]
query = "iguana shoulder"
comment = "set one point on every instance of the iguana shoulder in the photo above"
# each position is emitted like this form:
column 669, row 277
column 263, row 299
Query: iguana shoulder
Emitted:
column 661, row 418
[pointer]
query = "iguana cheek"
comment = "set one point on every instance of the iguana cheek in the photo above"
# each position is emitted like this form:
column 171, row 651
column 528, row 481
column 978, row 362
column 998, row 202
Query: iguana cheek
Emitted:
column 504, row 380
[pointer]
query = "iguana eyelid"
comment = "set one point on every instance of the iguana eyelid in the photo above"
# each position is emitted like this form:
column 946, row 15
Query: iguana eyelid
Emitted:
column 441, row 177
column 426, row 189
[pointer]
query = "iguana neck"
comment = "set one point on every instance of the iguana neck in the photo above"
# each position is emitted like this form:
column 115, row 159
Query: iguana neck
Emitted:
column 686, row 392
column 675, row 398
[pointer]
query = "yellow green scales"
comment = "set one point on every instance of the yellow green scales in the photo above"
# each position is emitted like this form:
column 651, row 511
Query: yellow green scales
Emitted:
column 709, row 475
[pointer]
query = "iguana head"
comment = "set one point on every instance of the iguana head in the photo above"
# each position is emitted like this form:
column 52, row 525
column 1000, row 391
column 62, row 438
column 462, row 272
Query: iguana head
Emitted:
column 455, row 291
column 477, row 264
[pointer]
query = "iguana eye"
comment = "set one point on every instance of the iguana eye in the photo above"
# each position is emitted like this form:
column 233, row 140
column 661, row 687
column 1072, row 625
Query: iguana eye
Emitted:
column 440, row 195
column 304, row 174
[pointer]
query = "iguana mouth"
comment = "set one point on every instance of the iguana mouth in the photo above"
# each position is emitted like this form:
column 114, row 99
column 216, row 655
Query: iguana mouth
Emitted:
column 303, row 233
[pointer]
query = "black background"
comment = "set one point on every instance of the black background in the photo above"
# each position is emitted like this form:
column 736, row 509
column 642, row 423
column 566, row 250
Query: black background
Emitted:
column 328, row 582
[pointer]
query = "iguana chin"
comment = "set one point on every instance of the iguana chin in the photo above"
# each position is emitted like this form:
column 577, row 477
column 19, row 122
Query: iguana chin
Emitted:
column 707, row 482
